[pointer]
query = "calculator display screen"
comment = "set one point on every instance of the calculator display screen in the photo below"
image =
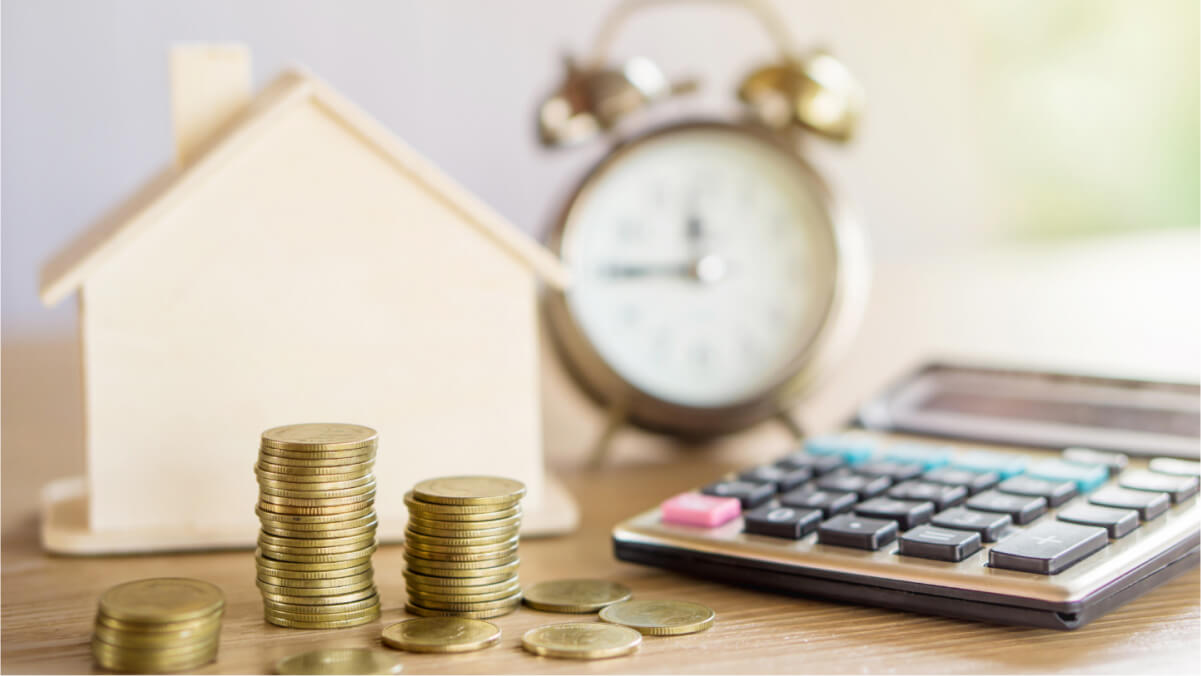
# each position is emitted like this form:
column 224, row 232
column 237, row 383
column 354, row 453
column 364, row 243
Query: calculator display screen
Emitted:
column 1042, row 409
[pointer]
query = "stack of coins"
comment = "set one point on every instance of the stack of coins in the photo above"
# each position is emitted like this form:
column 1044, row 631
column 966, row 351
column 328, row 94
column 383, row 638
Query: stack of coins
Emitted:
column 158, row 625
column 461, row 547
column 316, row 507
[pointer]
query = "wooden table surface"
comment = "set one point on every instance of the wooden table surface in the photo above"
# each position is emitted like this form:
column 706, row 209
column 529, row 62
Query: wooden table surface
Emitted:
column 49, row 602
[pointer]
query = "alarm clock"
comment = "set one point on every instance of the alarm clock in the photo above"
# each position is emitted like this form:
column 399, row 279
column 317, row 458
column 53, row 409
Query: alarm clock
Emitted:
column 714, row 275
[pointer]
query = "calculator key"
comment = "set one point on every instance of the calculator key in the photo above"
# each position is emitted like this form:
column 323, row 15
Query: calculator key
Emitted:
column 749, row 493
column 694, row 509
column 848, row 530
column 929, row 457
column 942, row 496
column 1003, row 464
column 852, row 450
column 1087, row 477
column 989, row 525
column 974, row 482
column 1179, row 488
column 1114, row 462
column 782, row 522
column 1055, row 492
column 941, row 544
column 1148, row 505
column 907, row 513
column 1118, row 522
column 1022, row 509
column 863, row 486
column 1175, row 466
column 896, row 471
column 783, row 479
column 817, row 464
column 1048, row 548
column 830, row 503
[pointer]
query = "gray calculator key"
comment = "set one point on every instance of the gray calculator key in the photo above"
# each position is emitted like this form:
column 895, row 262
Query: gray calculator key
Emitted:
column 897, row 471
column 907, row 513
column 782, row 522
column 749, row 493
column 1118, row 522
column 830, row 502
column 863, row 486
column 1175, row 466
column 1048, row 548
column 1148, row 505
column 1020, row 508
column 989, row 525
column 1114, row 462
column 785, row 479
column 818, row 464
column 1055, row 492
column 848, row 530
column 974, row 482
column 1179, row 488
column 942, row 496
column 941, row 544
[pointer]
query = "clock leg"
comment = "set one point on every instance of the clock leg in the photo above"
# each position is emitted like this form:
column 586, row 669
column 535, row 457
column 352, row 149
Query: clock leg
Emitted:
column 614, row 421
column 790, row 421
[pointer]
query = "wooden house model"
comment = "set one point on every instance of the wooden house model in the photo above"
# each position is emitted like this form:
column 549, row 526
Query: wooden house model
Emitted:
column 297, row 263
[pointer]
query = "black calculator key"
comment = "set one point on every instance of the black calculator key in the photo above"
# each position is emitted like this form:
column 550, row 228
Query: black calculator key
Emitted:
column 863, row 486
column 818, row 464
column 907, row 513
column 830, row 503
column 1148, row 505
column 749, row 493
column 942, row 544
column 990, row 526
column 1048, row 548
column 1118, row 522
column 897, row 471
column 848, row 530
column 782, row 522
column 974, row 482
column 783, row 479
column 1022, row 509
column 1055, row 492
column 1178, row 488
column 941, row 495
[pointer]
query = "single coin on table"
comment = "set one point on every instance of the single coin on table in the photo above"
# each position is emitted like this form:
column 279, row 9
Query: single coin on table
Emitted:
column 469, row 490
column 441, row 635
column 575, row 596
column 581, row 640
column 654, row 617
column 340, row 661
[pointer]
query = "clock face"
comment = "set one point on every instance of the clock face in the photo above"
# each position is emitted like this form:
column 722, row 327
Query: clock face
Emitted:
column 703, row 264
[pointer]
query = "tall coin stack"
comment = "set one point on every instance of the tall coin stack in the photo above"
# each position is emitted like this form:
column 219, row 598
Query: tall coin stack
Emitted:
column 461, row 547
column 316, row 507
column 158, row 625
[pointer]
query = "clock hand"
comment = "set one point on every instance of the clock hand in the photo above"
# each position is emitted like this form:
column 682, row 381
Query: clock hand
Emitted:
column 708, row 269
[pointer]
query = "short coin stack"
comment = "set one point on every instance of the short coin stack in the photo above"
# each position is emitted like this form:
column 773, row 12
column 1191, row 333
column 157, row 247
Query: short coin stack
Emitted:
column 317, row 510
column 461, row 547
column 158, row 625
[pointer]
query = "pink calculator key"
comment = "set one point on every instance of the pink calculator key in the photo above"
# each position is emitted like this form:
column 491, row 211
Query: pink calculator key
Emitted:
column 694, row 509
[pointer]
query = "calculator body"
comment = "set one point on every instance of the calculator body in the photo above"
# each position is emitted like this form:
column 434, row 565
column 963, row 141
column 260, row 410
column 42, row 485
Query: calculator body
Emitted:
column 976, row 412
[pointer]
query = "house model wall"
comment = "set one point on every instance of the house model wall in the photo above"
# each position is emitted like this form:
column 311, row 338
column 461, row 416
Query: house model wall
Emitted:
column 300, row 264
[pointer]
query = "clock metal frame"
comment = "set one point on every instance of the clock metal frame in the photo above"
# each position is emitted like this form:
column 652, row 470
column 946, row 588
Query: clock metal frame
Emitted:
column 607, row 387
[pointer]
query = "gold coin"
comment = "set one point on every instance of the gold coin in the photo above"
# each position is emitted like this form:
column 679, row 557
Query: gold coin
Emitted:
column 315, row 583
column 340, row 661
column 494, row 571
column 272, row 529
column 277, row 614
column 455, row 529
column 434, row 521
column 474, row 614
column 414, row 546
column 288, row 553
column 469, row 490
column 172, row 652
column 318, row 528
column 581, row 640
column 434, row 512
column 332, row 510
column 439, row 541
column 660, row 618
column 504, row 560
column 369, row 615
column 575, row 596
column 317, row 455
column 343, row 608
column 441, row 635
column 123, row 659
column 307, row 567
column 266, row 454
column 131, row 639
column 323, row 592
column 356, row 556
column 310, row 486
column 443, row 556
column 321, row 541
column 317, row 502
column 315, row 518
column 151, row 627
column 303, row 480
column 307, row 473
column 420, row 596
column 457, row 585
column 161, row 599
column 320, row 437
column 454, row 510
column 461, row 533
column 434, row 604
column 312, row 576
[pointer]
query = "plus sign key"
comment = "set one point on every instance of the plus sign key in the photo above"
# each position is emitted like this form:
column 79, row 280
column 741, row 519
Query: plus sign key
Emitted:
column 1048, row 548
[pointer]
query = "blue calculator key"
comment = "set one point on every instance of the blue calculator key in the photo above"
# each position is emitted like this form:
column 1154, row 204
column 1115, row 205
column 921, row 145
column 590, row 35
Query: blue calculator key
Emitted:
column 791, row 523
column 749, row 493
column 929, row 457
column 848, row 530
column 784, row 479
column 974, row 482
column 1087, row 477
column 1003, row 464
column 817, row 464
column 940, row 544
column 897, row 471
column 1055, row 492
column 831, row 503
column 850, row 449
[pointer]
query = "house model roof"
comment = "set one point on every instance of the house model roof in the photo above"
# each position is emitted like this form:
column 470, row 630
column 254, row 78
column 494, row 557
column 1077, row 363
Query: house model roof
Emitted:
column 71, row 268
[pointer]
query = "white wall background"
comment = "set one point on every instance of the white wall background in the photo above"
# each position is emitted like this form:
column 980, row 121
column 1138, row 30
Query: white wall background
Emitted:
column 85, row 115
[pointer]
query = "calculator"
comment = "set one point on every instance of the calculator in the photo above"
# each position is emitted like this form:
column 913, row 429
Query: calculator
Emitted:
column 998, row 495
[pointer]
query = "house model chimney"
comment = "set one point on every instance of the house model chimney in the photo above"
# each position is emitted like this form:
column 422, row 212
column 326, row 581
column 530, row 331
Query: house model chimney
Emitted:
column 210, row 85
